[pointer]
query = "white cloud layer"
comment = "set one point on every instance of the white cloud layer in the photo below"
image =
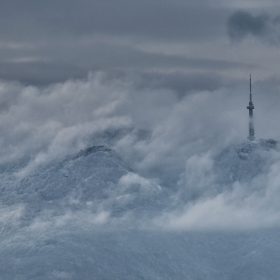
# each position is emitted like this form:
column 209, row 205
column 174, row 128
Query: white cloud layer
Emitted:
column 171, row 143
column 240, row 205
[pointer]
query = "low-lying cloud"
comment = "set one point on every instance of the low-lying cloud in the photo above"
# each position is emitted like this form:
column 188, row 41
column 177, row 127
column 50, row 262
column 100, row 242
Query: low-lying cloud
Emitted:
column 170, row 144
column 230, row 206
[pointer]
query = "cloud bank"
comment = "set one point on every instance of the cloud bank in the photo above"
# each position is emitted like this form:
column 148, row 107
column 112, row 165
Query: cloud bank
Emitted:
column 170, row 142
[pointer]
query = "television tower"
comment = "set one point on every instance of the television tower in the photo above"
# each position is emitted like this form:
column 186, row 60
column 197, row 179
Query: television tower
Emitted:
column 251, row 107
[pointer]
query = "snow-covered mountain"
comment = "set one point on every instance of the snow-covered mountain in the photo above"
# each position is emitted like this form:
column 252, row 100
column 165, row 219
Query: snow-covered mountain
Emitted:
column 90, row 216
column 95, row 178
column 244, row 161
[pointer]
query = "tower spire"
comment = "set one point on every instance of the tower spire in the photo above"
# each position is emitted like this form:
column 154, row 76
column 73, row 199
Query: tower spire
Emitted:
column 251, row 107
column 250, row 89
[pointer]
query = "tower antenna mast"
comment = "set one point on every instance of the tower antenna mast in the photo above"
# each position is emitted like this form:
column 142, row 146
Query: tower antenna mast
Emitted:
column 250, row 89
column 251, row 107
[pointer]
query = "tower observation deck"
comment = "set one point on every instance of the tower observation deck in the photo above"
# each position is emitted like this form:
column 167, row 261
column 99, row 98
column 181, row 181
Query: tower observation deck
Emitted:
column 251, row 107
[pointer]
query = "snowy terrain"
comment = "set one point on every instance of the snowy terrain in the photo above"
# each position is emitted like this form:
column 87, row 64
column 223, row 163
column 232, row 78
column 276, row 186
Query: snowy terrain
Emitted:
column 90, row 216
column 104, row 179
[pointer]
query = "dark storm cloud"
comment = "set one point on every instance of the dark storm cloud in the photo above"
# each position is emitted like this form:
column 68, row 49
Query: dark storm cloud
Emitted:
column 242, row 24
column 59, row 63
column 50, row 41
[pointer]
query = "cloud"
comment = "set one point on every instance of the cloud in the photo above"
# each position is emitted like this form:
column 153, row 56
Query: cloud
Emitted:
column 55, row 41
column 50, row 119
column 159, row 19
column 58, row 63
column 169, row 143
column 241, row 24
column 239, row 205
column 197, row 123
column 52, row 42
column 183, row 83
column 219, row 214
column 10, row 217
column 65, row 117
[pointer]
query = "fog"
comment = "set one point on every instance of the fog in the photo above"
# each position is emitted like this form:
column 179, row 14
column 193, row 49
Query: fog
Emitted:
column 97, row 170
column 171, row 142
column 123, row 133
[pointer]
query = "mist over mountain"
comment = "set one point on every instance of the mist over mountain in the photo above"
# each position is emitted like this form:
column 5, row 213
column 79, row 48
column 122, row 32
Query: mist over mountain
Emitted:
column 104, row 179
column 124, row 150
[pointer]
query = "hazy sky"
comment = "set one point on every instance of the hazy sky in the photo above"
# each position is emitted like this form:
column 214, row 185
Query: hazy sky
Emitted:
column 181, row 44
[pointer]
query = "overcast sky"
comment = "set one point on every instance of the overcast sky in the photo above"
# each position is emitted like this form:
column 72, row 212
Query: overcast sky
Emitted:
column 181, row 44
column 137, row 59
column 173, row 76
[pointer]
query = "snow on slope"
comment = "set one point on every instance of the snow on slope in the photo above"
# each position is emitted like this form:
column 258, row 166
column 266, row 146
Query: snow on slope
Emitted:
column 89, row 216
column 244, row 161
column 235, row 189
column 95, row 178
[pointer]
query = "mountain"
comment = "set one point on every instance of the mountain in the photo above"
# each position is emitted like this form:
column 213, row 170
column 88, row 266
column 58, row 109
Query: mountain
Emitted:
column 90, row 216
column 243, row 161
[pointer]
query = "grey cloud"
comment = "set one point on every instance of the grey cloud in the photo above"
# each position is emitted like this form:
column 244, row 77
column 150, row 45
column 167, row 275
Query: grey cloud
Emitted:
column 183, row 83
column 157, row 19
column 57, row 63
column 50, row 41
column 125, row 57
column 40, row 73
column 242, row 24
